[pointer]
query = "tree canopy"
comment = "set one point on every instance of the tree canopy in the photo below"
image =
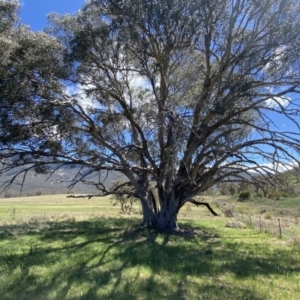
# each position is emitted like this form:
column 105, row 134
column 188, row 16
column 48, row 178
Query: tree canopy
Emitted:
column 180, row 95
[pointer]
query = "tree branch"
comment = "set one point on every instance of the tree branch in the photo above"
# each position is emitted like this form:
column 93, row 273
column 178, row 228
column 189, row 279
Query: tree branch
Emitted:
column 197, row 203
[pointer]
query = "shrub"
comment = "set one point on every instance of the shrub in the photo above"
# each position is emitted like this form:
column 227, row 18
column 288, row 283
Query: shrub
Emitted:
column 275, row 195
column 228, row 213
column 232, row 189
column 244, row 195
column 268, row 216
column 285, row 195
column 12, row 194
column 39, row 193
column 259, row 195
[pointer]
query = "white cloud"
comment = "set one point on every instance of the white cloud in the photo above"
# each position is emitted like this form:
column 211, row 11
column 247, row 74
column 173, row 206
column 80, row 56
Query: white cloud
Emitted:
column 277, row 101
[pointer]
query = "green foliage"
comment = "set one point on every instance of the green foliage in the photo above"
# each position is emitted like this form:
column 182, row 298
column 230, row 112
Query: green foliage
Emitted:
column 244, row 195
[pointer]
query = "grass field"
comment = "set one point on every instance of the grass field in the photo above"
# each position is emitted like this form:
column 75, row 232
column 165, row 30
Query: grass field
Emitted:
column 52, row 247
column 54, row 206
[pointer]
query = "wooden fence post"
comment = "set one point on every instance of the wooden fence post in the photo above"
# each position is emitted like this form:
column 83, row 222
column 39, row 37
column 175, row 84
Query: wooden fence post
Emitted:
column 260, row 223
column 280, row 233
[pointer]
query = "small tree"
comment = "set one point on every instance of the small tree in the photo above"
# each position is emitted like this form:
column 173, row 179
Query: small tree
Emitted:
column 124, row 196
column 232, row 189
column 223, row 188
column 243, row 186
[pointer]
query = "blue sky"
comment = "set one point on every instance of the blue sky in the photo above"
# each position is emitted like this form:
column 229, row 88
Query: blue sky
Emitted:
column 34, row 12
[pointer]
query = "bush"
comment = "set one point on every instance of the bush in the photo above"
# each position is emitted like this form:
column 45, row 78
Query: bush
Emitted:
column 228, row 213
column 244, row 195
column 285, row 195
column 232, row 189
column 39, row 193
column 12, row 194
column 259, row 195
column 275, row 195
column 268, row 216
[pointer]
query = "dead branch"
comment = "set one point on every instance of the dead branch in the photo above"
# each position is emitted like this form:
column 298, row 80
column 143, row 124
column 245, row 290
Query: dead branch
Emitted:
column 197, row 203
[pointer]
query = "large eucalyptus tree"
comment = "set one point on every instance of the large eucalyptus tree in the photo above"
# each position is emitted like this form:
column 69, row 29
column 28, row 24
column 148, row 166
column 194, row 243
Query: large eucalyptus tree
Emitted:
column 178, row 94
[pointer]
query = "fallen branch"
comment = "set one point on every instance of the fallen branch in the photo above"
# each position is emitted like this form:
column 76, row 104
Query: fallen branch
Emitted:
column 83, row 196
column 197, row 203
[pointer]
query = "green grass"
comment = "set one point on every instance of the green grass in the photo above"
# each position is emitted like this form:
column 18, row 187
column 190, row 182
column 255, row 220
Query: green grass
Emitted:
column 56, row 205
column 53, row 205
column 108, row 256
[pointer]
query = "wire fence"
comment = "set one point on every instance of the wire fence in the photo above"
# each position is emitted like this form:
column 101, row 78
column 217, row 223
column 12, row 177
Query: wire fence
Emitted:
column 288, row 228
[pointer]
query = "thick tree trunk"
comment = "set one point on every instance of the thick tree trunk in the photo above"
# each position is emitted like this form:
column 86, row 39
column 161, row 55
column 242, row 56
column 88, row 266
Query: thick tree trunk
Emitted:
column 167, row 217
column 167, row 220
column 164, row 217
column 149, row 215
column 149, row 209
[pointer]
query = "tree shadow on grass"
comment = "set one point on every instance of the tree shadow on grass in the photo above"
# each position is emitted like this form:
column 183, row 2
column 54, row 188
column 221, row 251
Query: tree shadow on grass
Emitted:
column 116, row 259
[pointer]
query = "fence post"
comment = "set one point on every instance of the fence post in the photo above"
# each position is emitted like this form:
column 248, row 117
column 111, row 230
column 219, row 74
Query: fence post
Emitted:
column 260, row 223
column 280, row 233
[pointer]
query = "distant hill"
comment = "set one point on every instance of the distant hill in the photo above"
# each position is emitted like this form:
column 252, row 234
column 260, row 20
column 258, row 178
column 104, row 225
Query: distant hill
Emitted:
column 56, row 184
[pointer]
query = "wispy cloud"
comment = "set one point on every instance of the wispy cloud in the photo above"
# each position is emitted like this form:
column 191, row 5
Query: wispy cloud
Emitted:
column 80, row 94
column 279, row 167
